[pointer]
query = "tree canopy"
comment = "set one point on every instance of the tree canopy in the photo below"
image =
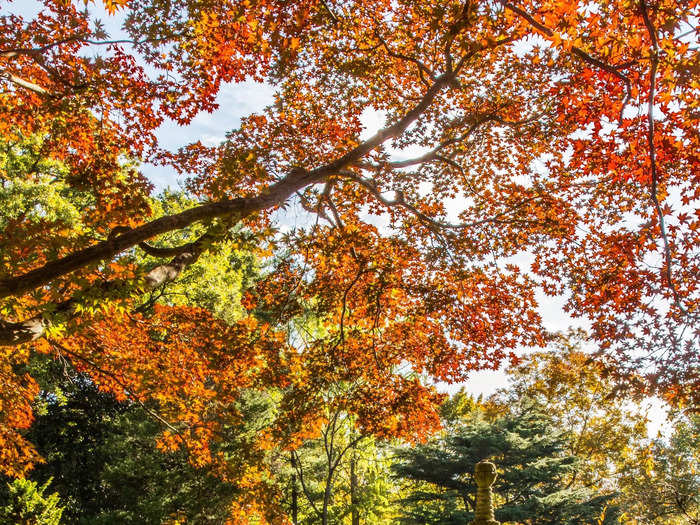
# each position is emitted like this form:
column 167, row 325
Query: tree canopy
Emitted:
column 531, row 146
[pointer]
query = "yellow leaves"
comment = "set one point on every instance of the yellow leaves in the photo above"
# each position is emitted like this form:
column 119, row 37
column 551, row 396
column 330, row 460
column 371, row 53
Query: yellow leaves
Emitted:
column 647, row 460
column 600, row 520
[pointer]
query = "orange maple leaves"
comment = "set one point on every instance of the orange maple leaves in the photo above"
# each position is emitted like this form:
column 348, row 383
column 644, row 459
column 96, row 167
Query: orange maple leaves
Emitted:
column 558, row 132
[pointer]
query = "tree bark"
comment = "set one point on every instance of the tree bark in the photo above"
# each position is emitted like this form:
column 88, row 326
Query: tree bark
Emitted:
column 327, row 495
column 354, row 499
column 295, row 494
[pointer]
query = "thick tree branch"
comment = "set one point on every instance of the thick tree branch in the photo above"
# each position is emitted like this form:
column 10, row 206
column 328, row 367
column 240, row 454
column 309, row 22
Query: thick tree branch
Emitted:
column 239, row 208
column 275, row 195
column 12, row 334
column 174, row 251
column 31, row 86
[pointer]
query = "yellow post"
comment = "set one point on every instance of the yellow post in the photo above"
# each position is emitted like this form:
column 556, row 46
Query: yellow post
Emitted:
column 485, row 475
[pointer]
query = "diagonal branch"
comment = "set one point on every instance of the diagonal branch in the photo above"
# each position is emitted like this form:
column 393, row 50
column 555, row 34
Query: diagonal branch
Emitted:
column 423, row 70
column 12, row 334
column 480, row 120
column 235, row 209
column 26, row 84
column 400, row 201
column 239, row 208
column 174, row 251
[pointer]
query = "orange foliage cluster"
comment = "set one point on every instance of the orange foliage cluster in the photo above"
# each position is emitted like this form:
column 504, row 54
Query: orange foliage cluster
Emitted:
column 16, row 396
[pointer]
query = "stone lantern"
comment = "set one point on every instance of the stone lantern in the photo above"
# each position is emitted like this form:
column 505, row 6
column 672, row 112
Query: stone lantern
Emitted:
column 485, row 475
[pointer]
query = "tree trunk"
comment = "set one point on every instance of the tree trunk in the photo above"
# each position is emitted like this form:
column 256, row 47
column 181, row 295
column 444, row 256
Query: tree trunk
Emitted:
column 295, row 496
column 327, row 497
column 326, row 503
column 354, row 499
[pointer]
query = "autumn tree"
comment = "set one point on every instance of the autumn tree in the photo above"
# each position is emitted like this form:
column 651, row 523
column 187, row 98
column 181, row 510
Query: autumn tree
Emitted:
column 340, row 477
column 665, row 488
column 603, row 430
column 100, row 457
column 561, row 129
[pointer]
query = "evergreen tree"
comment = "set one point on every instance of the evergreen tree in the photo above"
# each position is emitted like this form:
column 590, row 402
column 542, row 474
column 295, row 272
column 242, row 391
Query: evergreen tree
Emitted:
column 533, row 463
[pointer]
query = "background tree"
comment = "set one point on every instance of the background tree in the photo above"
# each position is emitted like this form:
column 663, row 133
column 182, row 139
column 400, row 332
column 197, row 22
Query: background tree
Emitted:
column 665, row 489
column 24, row 502
column 343, row 477
column 602, row 429
column 534, row 469
column 101, row 457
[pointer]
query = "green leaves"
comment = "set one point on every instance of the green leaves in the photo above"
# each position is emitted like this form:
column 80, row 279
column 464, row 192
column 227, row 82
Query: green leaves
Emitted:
column 534, row 466
column 24, row 502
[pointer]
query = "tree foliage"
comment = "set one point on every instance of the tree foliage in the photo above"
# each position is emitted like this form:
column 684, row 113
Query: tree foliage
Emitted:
column 665, row 488
column 24, row 502
column 100, row 455
column 340, row 477
column 562, row 129
column 603, row 431
column 535, row 470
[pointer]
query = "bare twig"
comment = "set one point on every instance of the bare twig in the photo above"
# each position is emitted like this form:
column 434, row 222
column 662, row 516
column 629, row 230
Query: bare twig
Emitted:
column 652, row 154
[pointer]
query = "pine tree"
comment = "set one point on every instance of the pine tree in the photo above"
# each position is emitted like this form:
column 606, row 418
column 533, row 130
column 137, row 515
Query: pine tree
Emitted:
column 534, row 466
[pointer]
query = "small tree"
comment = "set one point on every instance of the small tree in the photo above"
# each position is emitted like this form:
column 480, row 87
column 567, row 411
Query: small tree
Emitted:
column 342, row 476
column 665, row 488
column 24, row 502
